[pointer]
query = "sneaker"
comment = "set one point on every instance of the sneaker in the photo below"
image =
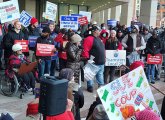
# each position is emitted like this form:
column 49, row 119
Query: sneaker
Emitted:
column 90, row 89
column 153, row 82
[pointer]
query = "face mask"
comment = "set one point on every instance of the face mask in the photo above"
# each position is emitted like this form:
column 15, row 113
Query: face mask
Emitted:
column 78, row 32
column 104, row 35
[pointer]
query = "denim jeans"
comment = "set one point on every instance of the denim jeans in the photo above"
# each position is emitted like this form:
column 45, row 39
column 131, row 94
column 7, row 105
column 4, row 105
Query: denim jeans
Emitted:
column 44, row 67
column 151, row 71
column 53, row 67
column 99, row 77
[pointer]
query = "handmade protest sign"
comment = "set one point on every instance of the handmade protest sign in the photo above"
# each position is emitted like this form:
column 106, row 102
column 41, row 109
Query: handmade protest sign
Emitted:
column 44, row 50
column 129, row 92
column 156, row 59
column 115, row 58
column 24, row 44
column 25, row 18
column 9, row 11
column 32, row 41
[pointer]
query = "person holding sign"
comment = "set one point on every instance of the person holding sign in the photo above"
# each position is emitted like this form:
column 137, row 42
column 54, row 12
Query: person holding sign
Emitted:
column 153, row 47
column 8, row 40
column 111, row 44
column 15, row 61
column 43, row 59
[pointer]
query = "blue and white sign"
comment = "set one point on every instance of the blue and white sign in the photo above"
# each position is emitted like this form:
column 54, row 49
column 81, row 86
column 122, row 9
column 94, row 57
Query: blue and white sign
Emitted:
column 112, row 22
column 32, row 41
column 25, row 18
column 69, row 22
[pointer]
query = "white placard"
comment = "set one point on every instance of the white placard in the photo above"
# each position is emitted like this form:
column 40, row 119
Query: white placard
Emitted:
column 87, row 14
column 9, row 11
column 129, row 91
column 115, row 57
column 51, row 11
column 25, row 18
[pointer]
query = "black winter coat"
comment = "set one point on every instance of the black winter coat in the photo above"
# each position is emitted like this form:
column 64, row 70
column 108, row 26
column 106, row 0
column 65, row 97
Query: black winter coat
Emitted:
column 8, row 41
column 73, row 59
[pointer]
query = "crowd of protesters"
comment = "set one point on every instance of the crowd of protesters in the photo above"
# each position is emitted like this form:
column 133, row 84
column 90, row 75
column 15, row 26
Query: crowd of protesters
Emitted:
column 72, row 50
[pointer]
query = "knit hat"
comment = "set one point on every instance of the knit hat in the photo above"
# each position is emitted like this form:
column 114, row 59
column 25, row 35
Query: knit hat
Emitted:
column 75, row 38
column 46, row 30
column 146, row 115
column 33, row 21
column 136, row 64
column 66, row 73
column 99, row 113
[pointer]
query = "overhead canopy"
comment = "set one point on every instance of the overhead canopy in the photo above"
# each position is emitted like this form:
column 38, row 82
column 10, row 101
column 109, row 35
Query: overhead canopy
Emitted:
column 95, row 5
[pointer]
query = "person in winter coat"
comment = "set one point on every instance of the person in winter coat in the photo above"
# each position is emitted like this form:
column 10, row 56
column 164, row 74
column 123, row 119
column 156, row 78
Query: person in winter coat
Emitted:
column 153, row 47
column 120, row 35
column 8, row 40
column 111, row 44
column 62, row 38
column 78, row 101
column 15, row 61
column 104, row 36
column 44, row 61
column 73, row 51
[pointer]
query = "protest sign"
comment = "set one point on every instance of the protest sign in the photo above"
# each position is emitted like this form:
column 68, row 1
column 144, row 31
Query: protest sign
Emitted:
column 25, row 18
column 51, row 11
column 44, row 50
column 32, row 41
column 129, row 91
column 112, row 23
column 9, row 11
column 115, row 58
column 83, row 20
column 156, row 59
column 24, row 44
column 87, row 14
column 69, row 22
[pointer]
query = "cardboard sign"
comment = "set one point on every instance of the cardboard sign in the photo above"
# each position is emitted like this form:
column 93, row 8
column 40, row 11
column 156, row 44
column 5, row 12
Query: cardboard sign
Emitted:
column 9, row 11
column 44, row 50
column 115, row 58
column 87, row 14
column 24, row 44
column 156, row 59
column 112, row 23
column 25, row 18
column 26, row 68
column 69, row 22
column 83, row 21
column 32, row 41
column 129, row 91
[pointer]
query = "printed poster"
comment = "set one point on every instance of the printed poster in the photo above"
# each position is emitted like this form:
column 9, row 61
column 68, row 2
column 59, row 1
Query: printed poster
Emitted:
column 24, row 44
column 83, row 21
column 51, row 11
column 9, row 11
column 44, row 50
column 32, row 41
column 25, row 18
column 87, row 14
column 129, row 91
column 115, row 57
column 156, row 59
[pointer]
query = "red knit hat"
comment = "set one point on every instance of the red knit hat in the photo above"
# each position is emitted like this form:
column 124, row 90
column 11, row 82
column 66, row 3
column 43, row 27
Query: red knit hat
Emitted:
column 136, row 64
column 32, row 109
column 146, row 115
column 33, row 21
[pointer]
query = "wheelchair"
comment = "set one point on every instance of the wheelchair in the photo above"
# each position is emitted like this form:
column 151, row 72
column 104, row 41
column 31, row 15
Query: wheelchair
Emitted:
column 9, row 86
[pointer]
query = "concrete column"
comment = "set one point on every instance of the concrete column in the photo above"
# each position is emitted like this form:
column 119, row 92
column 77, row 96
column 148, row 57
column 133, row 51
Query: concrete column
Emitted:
column 127, row 13
column 107, row 14
column 1, row 1
column 30, row 7
column 148, row 16
column 101, row 17
column 116, row 12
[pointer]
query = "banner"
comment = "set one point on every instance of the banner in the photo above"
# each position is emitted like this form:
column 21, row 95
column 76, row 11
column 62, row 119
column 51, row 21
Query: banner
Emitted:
column 69, row 22
column 115, row 57
column 83, row 20
column 32, row 41
column 112, row 23
column 25, row 18
column 51, row 11
column 129, row 92
column 156, row 59
column 44, row 50
column 87, row 14
column 9, row 11
column 24, row 44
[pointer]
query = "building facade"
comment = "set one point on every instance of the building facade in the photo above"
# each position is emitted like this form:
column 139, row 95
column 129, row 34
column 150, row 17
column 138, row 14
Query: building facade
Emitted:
column 160, row 13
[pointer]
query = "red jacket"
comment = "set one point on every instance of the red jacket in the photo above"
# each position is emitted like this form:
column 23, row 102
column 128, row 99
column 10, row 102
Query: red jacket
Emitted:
column 104, row 39
column 68, row 115
column 60, row 39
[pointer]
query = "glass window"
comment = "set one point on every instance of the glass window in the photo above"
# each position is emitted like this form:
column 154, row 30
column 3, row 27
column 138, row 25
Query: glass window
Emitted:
column 82, row 8
column 73, row 9
column 63, row 9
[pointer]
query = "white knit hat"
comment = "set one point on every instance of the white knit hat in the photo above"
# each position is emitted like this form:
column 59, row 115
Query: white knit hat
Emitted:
column 16, row 47
column 76, row 38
